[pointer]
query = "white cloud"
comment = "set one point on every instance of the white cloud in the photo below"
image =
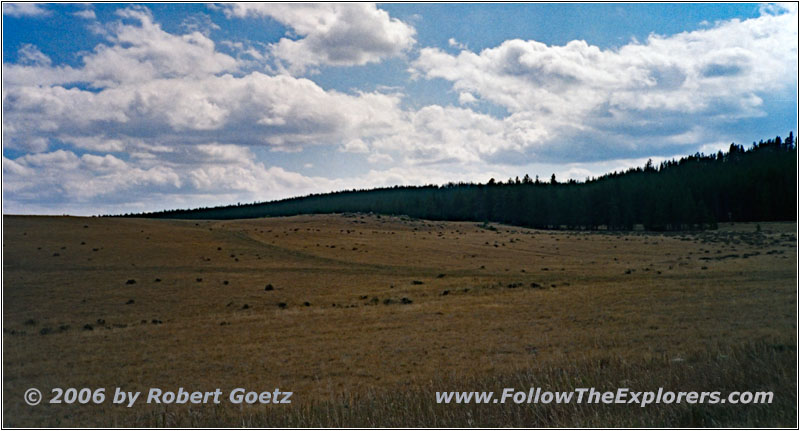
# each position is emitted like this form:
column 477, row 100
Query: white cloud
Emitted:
column 86, row 14
column 21, row 74
column 436, row 134
column 95, row 143
column 338, row 34
column 278, row 111
column 59, row 159
column 466, row 98
column 778, row 8
column 163, row 120
column 149, row 83
column 62, row 175
column 209, row 175
column 28, row 144
column 186, row 177
column 355, row 146
column 138, row 51
column 143, row 51
column 31, row 55
column 107, row 163
column 456, row 44
column 666, row 87
column 24, row 9
column 201, row 23
column 379, row 158
column 165, row 101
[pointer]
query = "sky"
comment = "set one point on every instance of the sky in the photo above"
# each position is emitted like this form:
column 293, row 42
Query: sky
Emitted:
column 118, row 108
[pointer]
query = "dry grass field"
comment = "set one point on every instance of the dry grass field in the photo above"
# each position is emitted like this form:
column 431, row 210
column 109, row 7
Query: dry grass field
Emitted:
column 367, row 316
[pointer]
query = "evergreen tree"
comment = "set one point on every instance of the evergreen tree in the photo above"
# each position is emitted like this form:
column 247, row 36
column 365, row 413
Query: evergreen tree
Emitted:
column 694, row 192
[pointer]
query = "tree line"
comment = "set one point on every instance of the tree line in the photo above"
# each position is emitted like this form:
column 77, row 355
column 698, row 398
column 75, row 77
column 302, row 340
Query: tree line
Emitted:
column 694, row 192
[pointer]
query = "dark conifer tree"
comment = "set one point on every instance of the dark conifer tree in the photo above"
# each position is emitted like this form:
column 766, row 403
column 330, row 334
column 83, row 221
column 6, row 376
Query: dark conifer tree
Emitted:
column 697, row 191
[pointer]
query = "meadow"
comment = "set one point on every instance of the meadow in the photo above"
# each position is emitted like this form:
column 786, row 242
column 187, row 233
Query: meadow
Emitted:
column 364, row 317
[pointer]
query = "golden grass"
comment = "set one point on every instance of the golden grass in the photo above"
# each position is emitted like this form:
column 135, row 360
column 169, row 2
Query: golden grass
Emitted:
column 760, row 366
column 636, row 298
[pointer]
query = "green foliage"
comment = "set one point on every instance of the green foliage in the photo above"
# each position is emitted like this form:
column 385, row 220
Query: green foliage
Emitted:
column 695, row 192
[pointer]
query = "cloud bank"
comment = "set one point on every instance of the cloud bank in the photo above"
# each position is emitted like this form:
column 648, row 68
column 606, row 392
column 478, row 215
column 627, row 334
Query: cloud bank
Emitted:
column 152, row 119
column 331, row 34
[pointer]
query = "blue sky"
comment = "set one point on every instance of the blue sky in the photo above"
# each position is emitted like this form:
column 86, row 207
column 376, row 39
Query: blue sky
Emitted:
column 111, row 108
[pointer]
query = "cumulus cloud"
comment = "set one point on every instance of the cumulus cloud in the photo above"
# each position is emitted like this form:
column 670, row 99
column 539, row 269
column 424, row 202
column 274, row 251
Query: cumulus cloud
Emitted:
column 141, row 131
column 201, row 175
column 138, row 51
column 456, row 44
column 185, row 177
column 86, row 14
column 148, row 83
column 31, row 55
column 277, row 111
column 337, row 34
column 679, row 72
column 142, row 51
column 465, row 98
column 355, row 146
column 199, row 23
column 436, row 134
column 96, row 143
column 150, row 119
column 24, row 10
column 673, row 83
column 778, row 8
